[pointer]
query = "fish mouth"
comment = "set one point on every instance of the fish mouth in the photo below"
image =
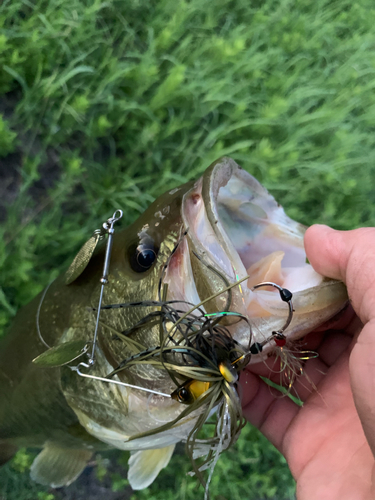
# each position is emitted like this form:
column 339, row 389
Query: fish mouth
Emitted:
column 235, row 228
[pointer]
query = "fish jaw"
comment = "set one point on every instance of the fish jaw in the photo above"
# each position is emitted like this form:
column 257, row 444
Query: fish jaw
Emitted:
column 236, row 227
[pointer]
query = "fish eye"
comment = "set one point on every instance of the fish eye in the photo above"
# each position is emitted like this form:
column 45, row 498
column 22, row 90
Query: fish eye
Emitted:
column 142, row 256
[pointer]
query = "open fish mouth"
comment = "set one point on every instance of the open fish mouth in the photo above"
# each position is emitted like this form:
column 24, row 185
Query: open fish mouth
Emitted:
column 238, row 229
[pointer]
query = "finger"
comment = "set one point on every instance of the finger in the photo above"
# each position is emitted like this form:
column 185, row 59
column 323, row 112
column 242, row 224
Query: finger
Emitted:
column 334, row 344
column 266, row 366
column 312, row 340
column 249, row 385
column 309, row 373
column 274, row 367
column 347, row 256
column 329, row 346
column 340, row 321
column 361, row 367
column 314, row 370
column 276, row 417
column 270, row 415
column 300, row 379
column 308, row 380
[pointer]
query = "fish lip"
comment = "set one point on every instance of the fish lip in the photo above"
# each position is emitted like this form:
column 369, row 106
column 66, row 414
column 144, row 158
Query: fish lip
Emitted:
column 218, row 176
column 201, row 202
column 209, row 239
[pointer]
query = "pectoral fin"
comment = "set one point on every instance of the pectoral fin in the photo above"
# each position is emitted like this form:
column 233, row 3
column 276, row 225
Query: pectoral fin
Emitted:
column 56, row 466
column 145, row 465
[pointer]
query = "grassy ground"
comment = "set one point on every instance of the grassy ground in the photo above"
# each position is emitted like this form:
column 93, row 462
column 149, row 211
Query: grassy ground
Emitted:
column 107, row 104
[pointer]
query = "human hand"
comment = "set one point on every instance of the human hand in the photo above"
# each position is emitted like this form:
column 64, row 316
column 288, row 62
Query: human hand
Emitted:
column 329, row 443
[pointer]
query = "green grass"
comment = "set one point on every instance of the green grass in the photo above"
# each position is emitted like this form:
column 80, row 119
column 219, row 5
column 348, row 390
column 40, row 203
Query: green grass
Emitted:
column 108, row 104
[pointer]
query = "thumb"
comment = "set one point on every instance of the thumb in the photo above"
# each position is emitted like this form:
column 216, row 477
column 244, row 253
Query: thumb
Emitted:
column 348, row 256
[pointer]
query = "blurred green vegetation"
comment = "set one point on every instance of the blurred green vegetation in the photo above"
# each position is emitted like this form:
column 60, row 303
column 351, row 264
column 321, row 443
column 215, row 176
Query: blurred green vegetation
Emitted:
column 251, row 470
column 106, row 104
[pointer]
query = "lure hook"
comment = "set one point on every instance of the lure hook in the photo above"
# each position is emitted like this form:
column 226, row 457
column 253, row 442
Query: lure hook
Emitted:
column 286, row 296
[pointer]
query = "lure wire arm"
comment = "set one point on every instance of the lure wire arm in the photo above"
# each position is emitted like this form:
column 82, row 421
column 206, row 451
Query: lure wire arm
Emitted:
column 108, row 227
column 108, row 380
column 38, row 316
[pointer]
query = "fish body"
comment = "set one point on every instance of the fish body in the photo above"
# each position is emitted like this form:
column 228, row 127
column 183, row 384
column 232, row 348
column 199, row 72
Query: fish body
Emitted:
column 190, row 244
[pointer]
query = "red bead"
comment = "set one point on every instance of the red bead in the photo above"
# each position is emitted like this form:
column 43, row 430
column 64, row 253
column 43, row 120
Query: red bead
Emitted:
column 280, row 341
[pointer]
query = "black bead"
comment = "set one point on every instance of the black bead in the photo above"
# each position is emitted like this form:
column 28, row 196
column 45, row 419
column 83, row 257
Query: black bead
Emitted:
column 285, row 295
column 183, row 395
column 256, row 348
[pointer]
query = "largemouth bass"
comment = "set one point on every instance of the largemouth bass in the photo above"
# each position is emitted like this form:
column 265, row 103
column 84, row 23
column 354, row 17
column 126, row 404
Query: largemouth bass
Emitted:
column 181, row 315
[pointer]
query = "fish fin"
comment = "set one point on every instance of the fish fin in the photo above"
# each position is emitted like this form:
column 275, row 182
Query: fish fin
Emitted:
column 145, row 465
column 7, row 451
column 56, row 466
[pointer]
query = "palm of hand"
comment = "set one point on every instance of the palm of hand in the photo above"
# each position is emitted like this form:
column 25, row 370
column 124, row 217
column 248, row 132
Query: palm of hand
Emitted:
column 325, row 444
column 328, row 441
column 323, row 441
